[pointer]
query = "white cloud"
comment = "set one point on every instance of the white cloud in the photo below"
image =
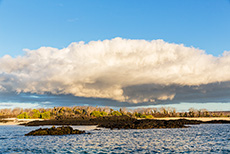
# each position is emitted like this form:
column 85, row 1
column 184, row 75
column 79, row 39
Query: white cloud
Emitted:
column 4, row 105
column 120, row 69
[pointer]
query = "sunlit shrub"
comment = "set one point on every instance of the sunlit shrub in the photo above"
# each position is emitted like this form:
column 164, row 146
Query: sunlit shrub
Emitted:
column 98, row 114
column 116, row 113
column 24, row 115
column 45, row 115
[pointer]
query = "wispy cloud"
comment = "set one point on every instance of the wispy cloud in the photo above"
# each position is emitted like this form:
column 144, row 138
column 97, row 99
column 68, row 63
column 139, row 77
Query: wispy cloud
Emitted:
column 133, row 71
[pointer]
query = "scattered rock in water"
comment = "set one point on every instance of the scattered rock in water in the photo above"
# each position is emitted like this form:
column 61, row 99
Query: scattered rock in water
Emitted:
column 97, row 129
column 55, row 131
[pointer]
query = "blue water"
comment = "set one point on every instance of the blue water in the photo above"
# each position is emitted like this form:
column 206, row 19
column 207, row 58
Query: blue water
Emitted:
column 205, row 138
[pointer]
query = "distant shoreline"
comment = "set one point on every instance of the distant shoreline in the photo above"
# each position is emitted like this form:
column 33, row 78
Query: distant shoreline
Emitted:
column 15, row 121
column 204, row 119
column 126, row 122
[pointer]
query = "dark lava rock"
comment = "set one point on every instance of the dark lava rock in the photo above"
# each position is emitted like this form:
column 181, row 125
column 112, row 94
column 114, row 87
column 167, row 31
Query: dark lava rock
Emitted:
column 97, row 129
column 217, row 122
column 82, row 121
column 55, row 131
column 148, row 124
column 144, row 124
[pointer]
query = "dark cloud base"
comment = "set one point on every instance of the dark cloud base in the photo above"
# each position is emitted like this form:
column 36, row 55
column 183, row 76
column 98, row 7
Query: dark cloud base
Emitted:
column 214, row 92
column 50, row 100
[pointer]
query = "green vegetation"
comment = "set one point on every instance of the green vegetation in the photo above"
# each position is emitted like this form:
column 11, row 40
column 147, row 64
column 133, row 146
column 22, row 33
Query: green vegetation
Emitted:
column 36, row 114
column 89, row 111
column 24, row 115
column 45, row 115
column 115, row 113
column 145, row 116
column 98, row 114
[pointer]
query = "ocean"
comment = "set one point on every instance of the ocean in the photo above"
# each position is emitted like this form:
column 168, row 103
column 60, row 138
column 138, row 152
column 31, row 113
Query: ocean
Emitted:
column 204, row 138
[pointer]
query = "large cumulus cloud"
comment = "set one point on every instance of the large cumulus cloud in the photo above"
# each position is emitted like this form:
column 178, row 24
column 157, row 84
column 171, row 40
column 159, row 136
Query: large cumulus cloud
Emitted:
column 135, row 71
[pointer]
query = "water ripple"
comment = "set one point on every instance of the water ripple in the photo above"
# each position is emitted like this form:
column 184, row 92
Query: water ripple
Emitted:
column 205, row 138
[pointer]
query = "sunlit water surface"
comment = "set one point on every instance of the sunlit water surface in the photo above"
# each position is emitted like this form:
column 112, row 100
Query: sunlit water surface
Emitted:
column 204, row 138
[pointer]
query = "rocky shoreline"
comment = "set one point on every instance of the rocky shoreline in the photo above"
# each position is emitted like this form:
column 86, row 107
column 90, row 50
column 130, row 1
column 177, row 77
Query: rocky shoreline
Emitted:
column 55, row 131
column 124, row 122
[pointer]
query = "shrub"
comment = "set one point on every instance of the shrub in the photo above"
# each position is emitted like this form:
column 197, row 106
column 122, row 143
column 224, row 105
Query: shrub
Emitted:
column 95, row 114
column 36, row 114
column 116, row 113
column 45, row 115
column 139, row 115
column 148, row 116
column 103, row 113
column 24, row 115
column 98, row 114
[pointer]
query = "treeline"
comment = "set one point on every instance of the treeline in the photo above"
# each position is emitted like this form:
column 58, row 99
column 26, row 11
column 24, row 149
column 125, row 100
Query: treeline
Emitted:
column 76, row 111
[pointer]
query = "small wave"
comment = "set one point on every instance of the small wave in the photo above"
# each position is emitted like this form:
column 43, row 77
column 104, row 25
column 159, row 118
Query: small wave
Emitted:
column 196, row 139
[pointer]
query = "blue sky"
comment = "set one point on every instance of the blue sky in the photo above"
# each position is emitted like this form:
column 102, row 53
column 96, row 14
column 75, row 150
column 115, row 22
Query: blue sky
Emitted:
column 57, row 23
column 27, row 24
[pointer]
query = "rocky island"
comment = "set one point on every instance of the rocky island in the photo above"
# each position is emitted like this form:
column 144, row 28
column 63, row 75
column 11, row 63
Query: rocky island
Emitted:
column 55, row 131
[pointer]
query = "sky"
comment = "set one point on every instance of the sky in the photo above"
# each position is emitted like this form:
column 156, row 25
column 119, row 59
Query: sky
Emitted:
column 115, row 53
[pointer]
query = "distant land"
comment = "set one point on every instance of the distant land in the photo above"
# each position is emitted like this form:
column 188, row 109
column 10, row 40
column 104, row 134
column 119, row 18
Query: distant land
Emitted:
column 90, row 111
column 142, row 118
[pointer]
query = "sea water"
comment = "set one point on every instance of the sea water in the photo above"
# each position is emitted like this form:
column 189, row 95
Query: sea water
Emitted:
column 204, row 138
